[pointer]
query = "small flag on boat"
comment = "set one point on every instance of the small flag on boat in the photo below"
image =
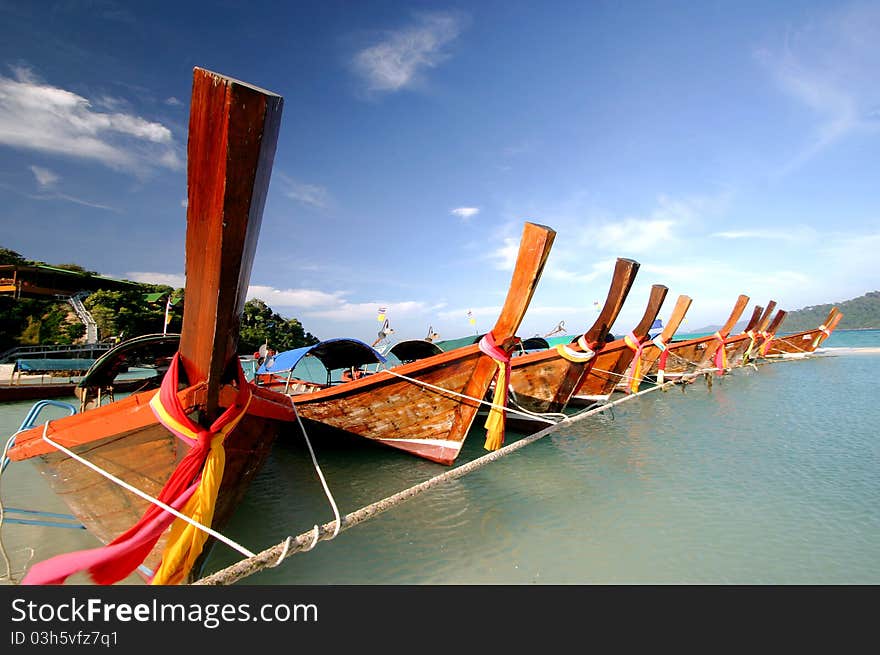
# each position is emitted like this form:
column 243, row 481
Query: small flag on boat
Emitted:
column 381, row 316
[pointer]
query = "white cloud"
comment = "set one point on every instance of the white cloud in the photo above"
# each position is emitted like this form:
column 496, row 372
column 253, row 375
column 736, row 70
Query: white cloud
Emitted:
column 301, row 298
column 45, row 177
column 37, row 116
column 505, row 255
column 173, row 102
column 634, row 235
column 398, row 61
column 314, row 303
column 465, row 213
column 176, row 280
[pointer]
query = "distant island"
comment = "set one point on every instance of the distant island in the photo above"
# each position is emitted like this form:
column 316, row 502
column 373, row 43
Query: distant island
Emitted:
column 862, row 313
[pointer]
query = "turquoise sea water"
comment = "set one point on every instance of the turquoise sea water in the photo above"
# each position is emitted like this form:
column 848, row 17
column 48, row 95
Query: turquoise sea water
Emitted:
column 772, row 476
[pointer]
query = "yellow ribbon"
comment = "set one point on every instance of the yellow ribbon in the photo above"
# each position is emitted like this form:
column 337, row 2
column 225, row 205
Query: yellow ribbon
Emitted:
column 495, row 421
column 573, row 355
column 823, row 331
column 185, row 541
column 766, row 344
column 635, row 369
column 748, row 353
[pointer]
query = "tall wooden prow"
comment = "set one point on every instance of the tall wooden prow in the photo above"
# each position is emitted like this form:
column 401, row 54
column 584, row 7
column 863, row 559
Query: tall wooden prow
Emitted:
column 148, row 440
column 233, row 131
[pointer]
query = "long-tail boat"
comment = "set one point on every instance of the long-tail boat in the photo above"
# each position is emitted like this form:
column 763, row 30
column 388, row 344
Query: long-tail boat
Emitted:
column 544, row 381
column 172, row 444
column 426, row 407
column 802, row 343
column 653, row 351
column 767, row 333
column 611, row 364
column 696, row 354
column 740, row 350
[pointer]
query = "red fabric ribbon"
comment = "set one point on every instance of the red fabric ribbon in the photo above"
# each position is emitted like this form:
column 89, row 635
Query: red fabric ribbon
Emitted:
column 119, row 558
column 720, row 355
column 634, row 372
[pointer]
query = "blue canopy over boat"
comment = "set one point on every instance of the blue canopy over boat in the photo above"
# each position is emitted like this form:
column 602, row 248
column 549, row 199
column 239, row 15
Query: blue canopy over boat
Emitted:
column 332, row 353
column 49, row 365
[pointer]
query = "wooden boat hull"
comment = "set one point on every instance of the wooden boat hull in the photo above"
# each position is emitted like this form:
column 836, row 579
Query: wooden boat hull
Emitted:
column 797, row 344
column 610, row 365
column 544, row 381
column 145, row 459
column 684, row 356
column 800, row 344
column 426, row 407
column 17, row 392
column 126, row 440
column 233, row 131
column 608, row 369
column 410, row 416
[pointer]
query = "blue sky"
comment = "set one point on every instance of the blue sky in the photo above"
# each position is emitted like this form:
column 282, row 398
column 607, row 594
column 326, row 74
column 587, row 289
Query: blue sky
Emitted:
column 729, row 147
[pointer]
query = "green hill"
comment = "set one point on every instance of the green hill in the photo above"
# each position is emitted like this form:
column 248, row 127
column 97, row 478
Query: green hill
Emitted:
column 858, row 313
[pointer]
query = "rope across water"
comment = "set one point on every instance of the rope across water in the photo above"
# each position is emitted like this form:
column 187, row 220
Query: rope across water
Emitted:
column 272, row 556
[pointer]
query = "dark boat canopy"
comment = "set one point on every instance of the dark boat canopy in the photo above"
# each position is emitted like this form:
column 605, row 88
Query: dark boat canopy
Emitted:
column 413, row 349
column 333, row 354
column 148, row 350
column 535, row 343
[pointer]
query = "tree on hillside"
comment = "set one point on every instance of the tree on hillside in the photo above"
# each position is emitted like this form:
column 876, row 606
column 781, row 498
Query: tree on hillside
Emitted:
column 259, row 325
column 8, row 256
column 76, row 268
column 125, row 312
column 861, row 312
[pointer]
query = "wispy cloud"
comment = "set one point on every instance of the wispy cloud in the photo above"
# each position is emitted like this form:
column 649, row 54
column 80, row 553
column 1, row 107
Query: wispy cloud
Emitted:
column 635, row 235
column 793, row 234
column 47, row 181
column 829, row 67
column 40, row 117
column 334, row 306
column 366, row 311
column 176, row 280
column 400, row 59
column 311, row 195
column 45, row 177
column 172, row 101
column 599, row 269
column 68, row 198
column 465, row 213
